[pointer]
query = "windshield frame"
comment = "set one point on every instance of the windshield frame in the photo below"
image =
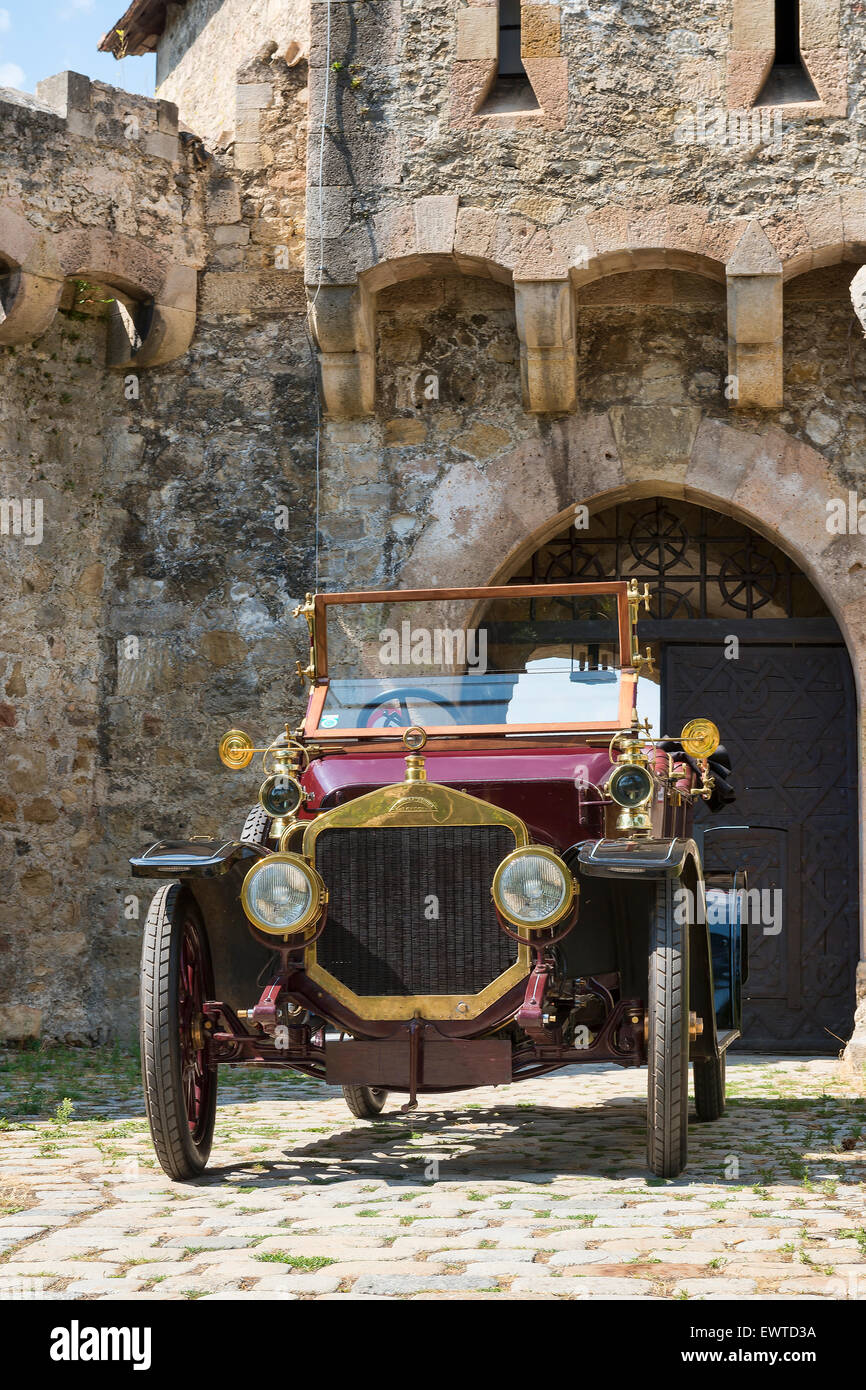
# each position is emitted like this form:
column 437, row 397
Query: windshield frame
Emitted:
column 318, row 694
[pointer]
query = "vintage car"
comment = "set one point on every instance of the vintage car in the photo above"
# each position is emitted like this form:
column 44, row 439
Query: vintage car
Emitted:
column 470, row 865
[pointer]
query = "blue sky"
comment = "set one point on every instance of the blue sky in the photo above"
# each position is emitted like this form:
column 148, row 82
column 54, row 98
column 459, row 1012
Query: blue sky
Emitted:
column 41, row 37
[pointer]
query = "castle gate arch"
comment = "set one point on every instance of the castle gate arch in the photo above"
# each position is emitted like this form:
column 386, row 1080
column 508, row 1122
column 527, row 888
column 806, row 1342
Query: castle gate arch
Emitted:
column 787, row 709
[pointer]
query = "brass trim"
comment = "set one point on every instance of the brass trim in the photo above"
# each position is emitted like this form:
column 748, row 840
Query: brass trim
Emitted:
column 542, row 852
column 318, row 894
column 295, row 829
column 435, row 1008
column 236, row 750
column 700, row 738
column 402, row 804
column 412, row 804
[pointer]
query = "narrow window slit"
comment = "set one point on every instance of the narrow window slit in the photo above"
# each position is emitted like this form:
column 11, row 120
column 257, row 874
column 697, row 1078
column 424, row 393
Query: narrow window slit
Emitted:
column 788, row 80
column 511, row 89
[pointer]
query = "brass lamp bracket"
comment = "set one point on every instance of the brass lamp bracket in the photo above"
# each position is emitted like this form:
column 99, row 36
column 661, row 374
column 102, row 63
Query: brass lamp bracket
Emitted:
column 644, row 665
column 308, row 609
column 637, row 596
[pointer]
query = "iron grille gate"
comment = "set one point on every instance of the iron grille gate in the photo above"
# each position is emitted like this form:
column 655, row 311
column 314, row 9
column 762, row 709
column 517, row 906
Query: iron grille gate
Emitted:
column 787, row 713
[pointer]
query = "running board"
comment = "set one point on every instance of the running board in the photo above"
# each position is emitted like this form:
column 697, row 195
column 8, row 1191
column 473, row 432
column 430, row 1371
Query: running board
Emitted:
column 726, row 1037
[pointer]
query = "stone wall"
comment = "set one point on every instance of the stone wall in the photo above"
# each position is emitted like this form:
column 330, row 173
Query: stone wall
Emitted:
column 155, row 611
column 204, row 43
column 651, row 351
column 636, row 78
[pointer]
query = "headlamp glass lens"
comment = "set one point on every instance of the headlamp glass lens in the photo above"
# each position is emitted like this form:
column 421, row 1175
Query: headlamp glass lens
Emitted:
column 280, row 893
column 532, row 888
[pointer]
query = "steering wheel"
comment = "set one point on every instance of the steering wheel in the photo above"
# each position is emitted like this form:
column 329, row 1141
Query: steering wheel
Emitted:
column 400, row 717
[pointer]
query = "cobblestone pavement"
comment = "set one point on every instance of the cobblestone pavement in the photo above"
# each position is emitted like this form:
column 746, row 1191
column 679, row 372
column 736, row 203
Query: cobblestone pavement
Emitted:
column 530, row 1191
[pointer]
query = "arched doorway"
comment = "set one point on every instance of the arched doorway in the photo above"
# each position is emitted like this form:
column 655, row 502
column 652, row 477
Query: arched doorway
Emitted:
column 741, row 635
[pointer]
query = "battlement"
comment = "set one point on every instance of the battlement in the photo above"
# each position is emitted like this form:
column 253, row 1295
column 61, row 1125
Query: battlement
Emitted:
column 96, row 111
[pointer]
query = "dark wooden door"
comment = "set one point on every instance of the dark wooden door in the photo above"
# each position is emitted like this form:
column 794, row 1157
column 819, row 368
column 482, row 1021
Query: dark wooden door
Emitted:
column 787, row 716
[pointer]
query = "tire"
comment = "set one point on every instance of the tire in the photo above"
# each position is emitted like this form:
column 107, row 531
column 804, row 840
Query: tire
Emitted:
column 710, row 1087
column 668, row 1041
column 176, row 978
column 365, row 1102
column 257, row 826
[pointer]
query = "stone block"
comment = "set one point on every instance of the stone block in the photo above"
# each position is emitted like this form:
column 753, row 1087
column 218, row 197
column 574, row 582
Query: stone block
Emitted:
column 539, row 31
column 655, row 438
column 367, row 161
column 549, row 78
column 545, row 326
column 436, row 221
column 253, row 96
column 365, row 33
column 222, row 201
column 746, row 74
column 245, row 292
column 81, row 123
column 65, row 92
column 160, row 145
column 755, row 309
column 248, row 127
column 19, row 1021
column 474, row 232
column 477, row 33
column 470, row 82
column 819, row 23
column 754, row 25
column 231, row 236
column 822, row 223
column 248, row 155
column 828, row 69
column 167, row 117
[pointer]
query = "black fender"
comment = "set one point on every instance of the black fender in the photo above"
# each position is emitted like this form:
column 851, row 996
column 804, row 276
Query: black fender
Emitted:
column 193, row 858
column 631, row 867
column 649, row 859
column 212, row 871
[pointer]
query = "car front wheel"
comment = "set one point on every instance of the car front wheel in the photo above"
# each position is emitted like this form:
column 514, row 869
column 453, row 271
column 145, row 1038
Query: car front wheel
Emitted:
column 668, row 1036
column 179, row 1086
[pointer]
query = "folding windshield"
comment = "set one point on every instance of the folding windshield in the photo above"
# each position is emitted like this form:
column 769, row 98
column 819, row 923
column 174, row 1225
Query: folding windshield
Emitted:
column 532, row 659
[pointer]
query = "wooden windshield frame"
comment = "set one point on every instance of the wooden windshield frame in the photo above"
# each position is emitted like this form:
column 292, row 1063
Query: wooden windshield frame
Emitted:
column 318, row 694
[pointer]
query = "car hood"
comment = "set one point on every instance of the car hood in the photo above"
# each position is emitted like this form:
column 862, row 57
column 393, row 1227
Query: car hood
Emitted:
column 481, row 772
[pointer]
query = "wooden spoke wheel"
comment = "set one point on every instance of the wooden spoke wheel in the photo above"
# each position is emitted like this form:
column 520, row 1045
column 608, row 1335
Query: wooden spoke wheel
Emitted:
column 179, row 1087
column 668, row 1036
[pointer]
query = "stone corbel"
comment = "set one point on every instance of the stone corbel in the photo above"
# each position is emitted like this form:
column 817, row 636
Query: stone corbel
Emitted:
column 160, row 323
column 31, row 280
column 754, row 276
column 163, row 327
column 548, row 360
column 343, row 326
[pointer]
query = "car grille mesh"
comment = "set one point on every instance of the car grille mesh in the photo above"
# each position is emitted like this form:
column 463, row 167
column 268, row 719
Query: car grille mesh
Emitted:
column 380, row 882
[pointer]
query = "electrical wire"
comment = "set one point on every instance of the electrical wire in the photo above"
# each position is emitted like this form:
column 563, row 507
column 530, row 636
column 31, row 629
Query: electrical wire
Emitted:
column 308, row 324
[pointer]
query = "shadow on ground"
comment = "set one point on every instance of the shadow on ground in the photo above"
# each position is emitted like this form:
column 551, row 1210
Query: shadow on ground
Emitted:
column 767, row 1142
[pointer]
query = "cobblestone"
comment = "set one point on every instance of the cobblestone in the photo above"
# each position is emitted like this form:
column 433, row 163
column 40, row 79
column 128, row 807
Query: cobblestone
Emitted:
column 535, row 1192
